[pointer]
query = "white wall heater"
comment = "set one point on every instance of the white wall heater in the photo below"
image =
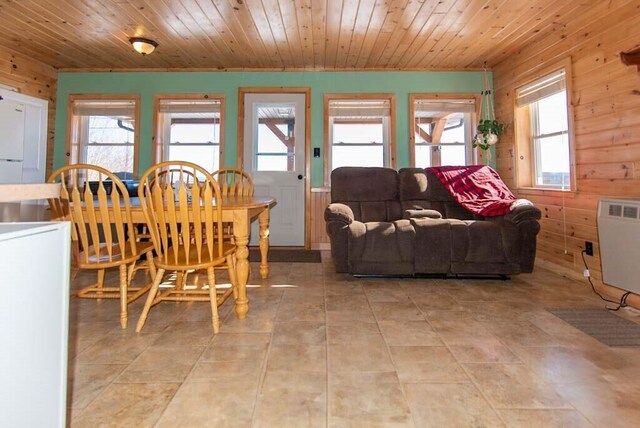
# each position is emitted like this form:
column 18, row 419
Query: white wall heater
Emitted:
column 619, row 236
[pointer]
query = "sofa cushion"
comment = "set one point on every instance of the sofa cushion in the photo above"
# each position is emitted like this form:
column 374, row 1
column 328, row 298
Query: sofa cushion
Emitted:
column 422, row 190
column 371, row 193
column 381, row 247
column 477, row 242
column 432, row 245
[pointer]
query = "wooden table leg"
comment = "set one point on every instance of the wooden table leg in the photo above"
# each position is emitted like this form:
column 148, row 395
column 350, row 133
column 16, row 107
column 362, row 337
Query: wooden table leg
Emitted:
column 241, row 236
column 263, row 220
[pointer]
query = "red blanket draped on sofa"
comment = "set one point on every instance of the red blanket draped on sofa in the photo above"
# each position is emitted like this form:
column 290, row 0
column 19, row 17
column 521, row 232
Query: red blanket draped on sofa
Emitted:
column 478, row 188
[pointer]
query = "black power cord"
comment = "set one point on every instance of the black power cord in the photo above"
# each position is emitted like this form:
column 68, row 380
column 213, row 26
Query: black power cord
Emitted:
column 623, row 299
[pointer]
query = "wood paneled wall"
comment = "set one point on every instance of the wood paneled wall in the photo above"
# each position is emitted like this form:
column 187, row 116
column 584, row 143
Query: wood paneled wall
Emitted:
column 35, row 79
column 606, row 99
column 320, row 198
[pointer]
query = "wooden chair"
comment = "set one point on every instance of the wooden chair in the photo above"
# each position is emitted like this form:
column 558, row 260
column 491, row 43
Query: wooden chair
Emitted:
column 96, row 202
column 234, row 182
column 174, row 203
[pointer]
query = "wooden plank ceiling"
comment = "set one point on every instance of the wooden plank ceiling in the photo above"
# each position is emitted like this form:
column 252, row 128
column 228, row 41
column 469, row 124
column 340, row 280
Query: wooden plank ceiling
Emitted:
column 281, row 34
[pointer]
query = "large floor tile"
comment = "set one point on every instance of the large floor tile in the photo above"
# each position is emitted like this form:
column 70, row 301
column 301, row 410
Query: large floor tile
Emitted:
column 227, row 403
column 444, row 405
column 297, row 358
column 514, row 386
column 284, row 402
column 544, row 418
column 367, row 399
column 87, row 381
column 161, row 364
column 127, row 404
column 349, row 356
column 418, row 364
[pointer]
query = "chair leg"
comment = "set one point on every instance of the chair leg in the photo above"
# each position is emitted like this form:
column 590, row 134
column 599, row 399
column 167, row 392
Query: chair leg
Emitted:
column 150, row 298
column 150, row 265
column 100, row 280
column 124, row 280
column 214, row 299
column 132, row 270
column 231, row 264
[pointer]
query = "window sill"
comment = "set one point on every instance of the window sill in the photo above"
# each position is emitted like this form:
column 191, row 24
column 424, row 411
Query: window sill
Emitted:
column 543, row 191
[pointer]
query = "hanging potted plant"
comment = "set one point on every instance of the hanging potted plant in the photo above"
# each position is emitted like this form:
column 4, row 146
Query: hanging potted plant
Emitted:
column 489, row 129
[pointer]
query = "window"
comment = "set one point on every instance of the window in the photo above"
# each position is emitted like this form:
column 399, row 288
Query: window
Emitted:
column 103, row 132
column 542, row 133
column 189, row 128
column 360, row 131
column 442, row 130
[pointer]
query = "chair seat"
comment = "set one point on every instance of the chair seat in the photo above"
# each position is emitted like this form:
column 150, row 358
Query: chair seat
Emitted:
column 180, row 261
column 103, row 261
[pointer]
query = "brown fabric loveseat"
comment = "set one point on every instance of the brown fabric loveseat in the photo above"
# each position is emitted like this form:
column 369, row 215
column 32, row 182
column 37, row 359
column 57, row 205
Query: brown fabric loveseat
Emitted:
column 387, row 222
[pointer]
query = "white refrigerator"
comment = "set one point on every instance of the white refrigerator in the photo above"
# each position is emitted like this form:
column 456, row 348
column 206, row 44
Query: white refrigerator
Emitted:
column 12, row 126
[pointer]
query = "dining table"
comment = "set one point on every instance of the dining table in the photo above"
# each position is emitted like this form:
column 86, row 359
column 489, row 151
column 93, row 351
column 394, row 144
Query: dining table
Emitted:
column 239, row 210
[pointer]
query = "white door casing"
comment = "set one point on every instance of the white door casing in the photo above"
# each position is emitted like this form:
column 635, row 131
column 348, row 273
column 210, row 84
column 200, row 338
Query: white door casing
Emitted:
column 277, row 169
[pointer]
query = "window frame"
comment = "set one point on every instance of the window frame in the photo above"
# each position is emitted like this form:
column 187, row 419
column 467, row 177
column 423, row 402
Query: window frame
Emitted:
column 390, row 150
column 159, row 143
column 441, row 96
column 74, row 146
column 525, row 159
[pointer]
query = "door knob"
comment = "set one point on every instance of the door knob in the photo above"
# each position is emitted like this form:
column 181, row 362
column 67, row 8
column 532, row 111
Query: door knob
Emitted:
column 300, row 176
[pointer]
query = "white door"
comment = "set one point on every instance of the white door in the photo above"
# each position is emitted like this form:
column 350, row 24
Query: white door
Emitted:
column 274, row 145
column 11, row 129
column 23, row 136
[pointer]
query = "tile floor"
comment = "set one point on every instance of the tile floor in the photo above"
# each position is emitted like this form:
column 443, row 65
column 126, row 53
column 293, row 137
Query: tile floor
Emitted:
column 322, row 349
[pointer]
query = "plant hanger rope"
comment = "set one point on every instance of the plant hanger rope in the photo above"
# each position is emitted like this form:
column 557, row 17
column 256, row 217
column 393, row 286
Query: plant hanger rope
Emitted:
column 488, row 128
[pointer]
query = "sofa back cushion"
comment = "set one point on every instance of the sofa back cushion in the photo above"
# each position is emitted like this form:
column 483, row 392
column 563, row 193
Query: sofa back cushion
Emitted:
column 371, row 192
column 419, row 189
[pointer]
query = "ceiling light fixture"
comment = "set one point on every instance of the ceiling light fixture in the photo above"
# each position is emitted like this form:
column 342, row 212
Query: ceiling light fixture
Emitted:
column 142, row 45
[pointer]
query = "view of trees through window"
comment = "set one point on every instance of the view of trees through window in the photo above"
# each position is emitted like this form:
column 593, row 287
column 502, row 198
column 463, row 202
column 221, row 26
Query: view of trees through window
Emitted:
column 109, row 144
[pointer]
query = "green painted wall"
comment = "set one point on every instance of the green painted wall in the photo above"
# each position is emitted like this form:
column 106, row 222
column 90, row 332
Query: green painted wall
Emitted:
column 146, row 84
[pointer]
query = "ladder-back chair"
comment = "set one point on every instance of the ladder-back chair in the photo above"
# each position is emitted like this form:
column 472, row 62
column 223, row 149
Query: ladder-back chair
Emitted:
column 183, row 211
column 97, row 204
column 233, row 182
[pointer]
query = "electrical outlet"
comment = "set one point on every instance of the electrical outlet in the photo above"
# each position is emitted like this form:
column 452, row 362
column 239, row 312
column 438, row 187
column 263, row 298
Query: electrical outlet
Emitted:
column 588, row 248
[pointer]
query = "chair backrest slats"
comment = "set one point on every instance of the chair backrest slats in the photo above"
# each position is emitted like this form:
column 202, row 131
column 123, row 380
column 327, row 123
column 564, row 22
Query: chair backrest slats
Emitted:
column 101, row 216
column 181, row 202
column 234, row 182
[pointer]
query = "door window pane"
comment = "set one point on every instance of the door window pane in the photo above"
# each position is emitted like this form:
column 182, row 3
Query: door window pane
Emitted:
column 275, row 139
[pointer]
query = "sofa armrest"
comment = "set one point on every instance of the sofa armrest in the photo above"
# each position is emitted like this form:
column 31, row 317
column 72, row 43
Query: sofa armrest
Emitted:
column 422, row 214
column 523, row 213
column 339, row 212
